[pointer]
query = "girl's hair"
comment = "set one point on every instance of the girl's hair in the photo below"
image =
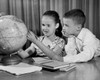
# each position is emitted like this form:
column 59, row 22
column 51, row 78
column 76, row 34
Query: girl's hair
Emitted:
column 55, row 15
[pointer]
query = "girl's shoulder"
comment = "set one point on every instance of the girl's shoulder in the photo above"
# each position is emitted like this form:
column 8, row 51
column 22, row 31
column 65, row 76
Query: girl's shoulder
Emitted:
column 59, row 39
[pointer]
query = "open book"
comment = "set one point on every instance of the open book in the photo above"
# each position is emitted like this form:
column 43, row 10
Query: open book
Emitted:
column 20, row 68
column 53, row 64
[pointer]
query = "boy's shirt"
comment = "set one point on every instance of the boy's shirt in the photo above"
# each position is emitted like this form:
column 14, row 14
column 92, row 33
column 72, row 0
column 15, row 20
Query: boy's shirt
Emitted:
column 83, row 47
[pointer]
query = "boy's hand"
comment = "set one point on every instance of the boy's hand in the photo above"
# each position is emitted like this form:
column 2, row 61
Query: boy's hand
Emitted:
column 32, row 37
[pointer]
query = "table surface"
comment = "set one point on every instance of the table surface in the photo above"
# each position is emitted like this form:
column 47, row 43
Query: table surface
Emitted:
column 83, row 71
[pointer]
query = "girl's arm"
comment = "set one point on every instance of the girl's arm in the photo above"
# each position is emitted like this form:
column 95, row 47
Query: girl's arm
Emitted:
column 52, row 54
column 27, row 52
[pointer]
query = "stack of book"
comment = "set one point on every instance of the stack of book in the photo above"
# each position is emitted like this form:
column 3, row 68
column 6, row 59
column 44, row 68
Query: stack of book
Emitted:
column 53, row 64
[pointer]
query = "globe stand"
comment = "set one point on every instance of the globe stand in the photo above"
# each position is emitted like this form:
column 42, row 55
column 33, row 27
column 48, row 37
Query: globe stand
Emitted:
column 15, row 59
column 13, row 35
column 11, row 59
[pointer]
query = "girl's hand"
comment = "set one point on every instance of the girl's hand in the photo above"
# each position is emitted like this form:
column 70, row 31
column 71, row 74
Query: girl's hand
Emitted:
column 22, row 53
column 31, row 36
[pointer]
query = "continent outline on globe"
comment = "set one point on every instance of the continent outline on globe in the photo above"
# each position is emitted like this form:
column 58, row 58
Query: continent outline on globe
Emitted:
column 13, row 34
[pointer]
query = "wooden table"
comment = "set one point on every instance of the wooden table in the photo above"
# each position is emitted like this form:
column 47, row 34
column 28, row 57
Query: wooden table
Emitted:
column 83, row 71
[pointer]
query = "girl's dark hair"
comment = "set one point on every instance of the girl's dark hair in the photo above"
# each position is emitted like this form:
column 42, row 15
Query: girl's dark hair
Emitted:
column 55, row 15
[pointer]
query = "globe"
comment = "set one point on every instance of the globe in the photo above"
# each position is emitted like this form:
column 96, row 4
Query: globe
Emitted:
column 13, row 34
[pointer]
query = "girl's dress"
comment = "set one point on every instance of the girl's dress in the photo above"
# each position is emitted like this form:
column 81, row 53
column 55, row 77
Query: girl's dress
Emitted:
column 57, row 42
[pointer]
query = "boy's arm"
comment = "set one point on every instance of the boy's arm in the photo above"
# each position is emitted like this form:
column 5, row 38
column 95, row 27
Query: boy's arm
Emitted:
column 83, row 56
column 89, row 48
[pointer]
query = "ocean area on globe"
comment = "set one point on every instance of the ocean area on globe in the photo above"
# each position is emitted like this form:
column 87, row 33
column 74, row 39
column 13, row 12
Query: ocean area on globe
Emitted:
column 13, row 34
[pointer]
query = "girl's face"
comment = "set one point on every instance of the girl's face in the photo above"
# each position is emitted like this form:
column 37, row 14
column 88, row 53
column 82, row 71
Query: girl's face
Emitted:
column 69, row 27
column 48, row 26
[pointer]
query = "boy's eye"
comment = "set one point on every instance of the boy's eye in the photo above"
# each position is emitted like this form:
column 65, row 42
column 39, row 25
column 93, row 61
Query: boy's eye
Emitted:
column 66, row 25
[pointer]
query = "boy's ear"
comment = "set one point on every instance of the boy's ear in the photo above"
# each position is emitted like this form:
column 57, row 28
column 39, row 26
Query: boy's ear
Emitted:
column 79, row 26
column 57, row 25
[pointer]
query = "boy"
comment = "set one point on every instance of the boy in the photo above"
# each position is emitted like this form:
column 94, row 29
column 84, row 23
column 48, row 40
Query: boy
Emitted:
column 82, row 44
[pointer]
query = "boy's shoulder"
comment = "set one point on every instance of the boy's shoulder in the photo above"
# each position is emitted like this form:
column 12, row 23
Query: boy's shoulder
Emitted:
column 85, row 31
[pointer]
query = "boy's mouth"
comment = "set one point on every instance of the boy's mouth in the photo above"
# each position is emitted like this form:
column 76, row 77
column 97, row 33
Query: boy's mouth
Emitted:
column 65, row 33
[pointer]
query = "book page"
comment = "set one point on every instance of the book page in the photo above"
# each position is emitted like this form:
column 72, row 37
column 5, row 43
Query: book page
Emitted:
column 20, row 68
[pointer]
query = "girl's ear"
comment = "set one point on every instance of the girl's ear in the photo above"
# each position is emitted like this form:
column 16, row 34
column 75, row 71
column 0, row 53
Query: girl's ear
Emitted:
column 57, row 25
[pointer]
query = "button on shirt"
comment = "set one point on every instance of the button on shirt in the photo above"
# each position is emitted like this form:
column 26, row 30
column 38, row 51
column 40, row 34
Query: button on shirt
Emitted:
column 83, row 47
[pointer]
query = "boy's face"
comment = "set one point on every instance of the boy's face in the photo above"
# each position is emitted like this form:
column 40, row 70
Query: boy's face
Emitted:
column 69, row 27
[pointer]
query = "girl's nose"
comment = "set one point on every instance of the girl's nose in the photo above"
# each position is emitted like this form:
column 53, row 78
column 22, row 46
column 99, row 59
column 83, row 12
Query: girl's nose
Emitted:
column 63, row 28
column 44, row 27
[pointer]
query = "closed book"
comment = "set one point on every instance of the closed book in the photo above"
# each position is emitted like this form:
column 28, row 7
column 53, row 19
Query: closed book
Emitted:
column 52, row 64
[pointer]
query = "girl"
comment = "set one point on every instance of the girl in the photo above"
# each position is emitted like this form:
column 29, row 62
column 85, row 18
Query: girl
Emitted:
column 51, row 44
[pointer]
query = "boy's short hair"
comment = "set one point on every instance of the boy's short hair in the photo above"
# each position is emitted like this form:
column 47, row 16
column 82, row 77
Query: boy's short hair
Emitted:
column 77, row 15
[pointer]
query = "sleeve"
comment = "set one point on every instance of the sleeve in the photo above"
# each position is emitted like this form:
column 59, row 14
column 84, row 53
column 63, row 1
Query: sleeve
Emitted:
column 61, row 43
column 58, row 47
column 38, row 50
column 34, row 45
column 70, row 47
column 89, row 48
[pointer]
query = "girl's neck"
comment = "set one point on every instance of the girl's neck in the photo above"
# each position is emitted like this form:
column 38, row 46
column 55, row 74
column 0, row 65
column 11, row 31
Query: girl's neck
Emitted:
column 51, row 38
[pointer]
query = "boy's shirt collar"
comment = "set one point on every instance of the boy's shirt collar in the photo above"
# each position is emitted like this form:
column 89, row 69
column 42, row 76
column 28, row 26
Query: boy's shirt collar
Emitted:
column 81, row 34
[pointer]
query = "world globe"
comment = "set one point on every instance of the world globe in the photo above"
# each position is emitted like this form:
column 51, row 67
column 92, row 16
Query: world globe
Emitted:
column 13, row 34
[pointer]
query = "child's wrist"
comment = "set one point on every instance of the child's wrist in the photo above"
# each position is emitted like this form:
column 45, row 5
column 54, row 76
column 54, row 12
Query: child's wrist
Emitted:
column 20, row 50
column 35, row 41
column 22, row 53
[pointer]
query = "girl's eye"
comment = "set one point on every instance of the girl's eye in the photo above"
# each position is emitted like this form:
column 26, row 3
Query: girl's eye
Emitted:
column 48, row 25
column 43, row 24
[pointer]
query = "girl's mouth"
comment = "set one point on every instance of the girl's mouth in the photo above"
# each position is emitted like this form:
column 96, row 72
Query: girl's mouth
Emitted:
column 45, row 31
